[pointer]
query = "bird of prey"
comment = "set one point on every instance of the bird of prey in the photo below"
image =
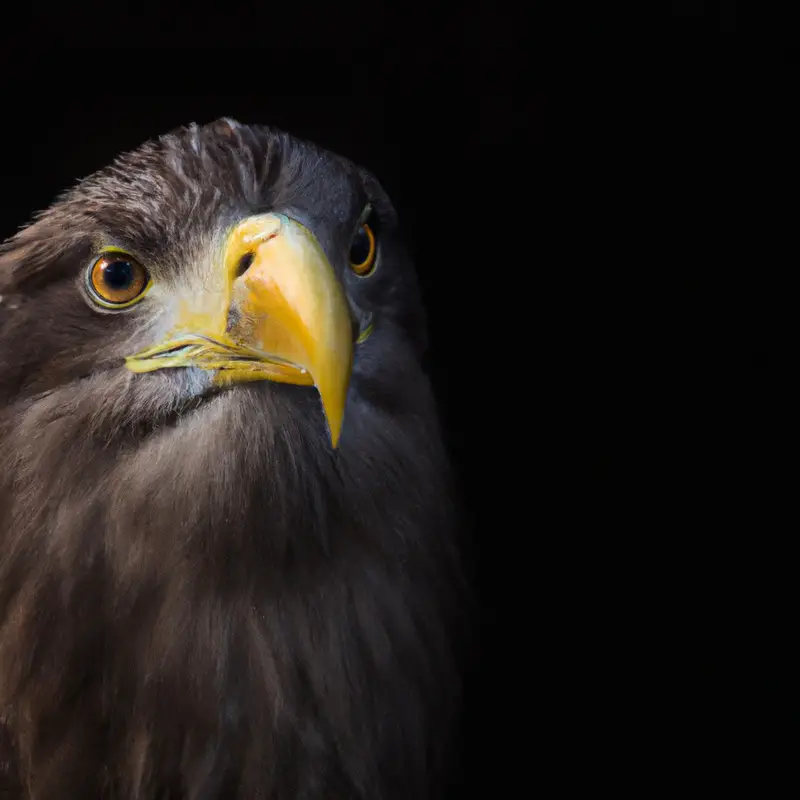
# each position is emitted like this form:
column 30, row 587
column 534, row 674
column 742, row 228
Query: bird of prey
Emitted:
column 228, row 562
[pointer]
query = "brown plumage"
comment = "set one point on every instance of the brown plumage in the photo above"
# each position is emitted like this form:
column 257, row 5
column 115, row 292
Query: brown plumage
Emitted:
column 199, row 596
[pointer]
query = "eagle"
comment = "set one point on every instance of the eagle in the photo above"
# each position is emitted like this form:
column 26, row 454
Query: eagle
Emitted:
column 229, row 560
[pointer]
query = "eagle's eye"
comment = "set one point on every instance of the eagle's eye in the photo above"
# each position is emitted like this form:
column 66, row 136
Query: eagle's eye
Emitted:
column 116, row 280
column 362, row 251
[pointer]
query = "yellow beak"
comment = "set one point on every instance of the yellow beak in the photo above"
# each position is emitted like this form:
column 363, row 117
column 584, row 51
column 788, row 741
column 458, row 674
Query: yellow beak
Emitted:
column 275, row 311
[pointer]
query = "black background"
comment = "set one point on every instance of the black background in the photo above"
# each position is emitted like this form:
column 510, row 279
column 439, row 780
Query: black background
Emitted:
column 602, row 216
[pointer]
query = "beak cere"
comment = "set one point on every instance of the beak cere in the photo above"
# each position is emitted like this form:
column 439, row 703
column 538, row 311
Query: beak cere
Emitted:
column 284, row 318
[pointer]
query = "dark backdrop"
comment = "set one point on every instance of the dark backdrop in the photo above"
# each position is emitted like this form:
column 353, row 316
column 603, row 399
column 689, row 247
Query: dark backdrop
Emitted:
column 603, row 227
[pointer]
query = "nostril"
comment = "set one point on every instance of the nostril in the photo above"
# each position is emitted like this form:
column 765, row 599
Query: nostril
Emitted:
column 244, row 263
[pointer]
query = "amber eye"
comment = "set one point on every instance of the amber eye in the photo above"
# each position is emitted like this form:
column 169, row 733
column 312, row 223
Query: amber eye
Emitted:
column 116, row 280
column 362, row 251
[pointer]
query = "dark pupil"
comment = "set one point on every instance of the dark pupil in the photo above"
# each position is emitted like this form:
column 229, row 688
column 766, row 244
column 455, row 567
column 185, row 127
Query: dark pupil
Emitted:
column 359, row 250
column 118, row 275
